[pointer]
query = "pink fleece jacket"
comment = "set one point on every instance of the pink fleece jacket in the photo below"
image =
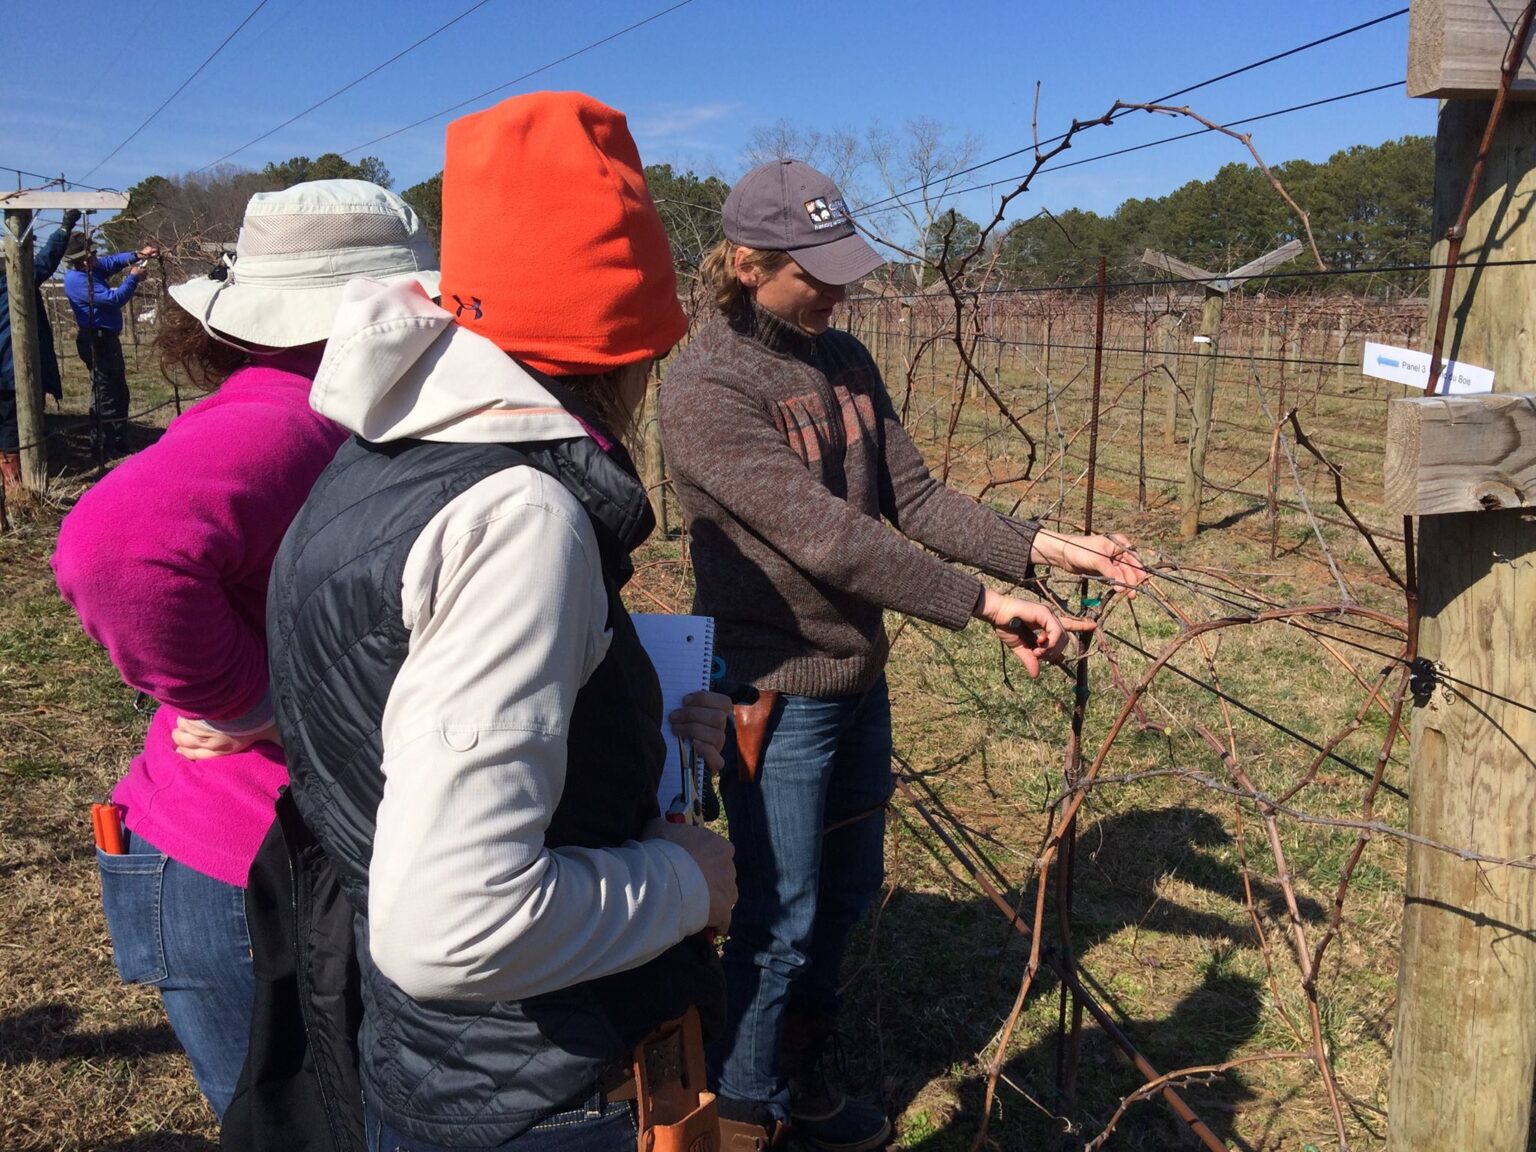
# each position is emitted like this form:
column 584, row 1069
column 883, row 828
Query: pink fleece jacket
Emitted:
column 166, row 561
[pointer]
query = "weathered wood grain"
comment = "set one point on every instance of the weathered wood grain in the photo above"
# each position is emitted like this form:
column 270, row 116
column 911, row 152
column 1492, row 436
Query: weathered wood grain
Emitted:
column 52, row 199
column 1460, row 454
column 1464, row 1048
column 1455, row 49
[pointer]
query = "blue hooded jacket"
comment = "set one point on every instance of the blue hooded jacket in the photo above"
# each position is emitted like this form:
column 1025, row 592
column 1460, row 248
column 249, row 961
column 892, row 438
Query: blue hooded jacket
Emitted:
column 95, row 302
column 45, row 261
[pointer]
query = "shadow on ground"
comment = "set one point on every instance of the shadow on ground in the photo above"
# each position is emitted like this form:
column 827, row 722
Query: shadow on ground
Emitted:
column 46, row 1033
column 948, row 971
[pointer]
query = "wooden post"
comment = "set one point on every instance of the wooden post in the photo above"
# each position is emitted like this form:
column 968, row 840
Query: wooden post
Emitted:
column 1167, row 336
column 1464, row 1049
column 26, row 358
column 655, row 459
column 1338, row 380
column 21, row 288
column 1205, row 394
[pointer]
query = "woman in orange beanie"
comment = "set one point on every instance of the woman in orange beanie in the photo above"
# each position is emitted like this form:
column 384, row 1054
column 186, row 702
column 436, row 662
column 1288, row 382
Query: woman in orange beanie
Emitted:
column 473, row 723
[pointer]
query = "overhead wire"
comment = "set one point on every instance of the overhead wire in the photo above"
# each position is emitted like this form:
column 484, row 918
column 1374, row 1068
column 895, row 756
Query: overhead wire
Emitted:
column 347, row 87
column 1201, row 131
column 525, row 76
column 207, row 60
column 59, row 179
column 897, row 196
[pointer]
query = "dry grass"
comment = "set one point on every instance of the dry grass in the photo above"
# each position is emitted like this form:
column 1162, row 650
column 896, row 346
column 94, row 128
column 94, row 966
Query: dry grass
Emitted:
column 1159, row 918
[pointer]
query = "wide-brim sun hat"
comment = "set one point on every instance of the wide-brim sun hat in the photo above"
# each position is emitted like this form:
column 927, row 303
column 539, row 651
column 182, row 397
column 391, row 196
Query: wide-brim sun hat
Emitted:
column 788, row 206
column 297, row 250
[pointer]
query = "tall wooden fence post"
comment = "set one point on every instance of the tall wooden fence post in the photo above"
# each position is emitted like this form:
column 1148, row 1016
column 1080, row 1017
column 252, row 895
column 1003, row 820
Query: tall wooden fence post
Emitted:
column 21, row 288
column 26, row 355
column 1167, row 335
column 655, row 458
column 1464, row 1049
column 1204, row 399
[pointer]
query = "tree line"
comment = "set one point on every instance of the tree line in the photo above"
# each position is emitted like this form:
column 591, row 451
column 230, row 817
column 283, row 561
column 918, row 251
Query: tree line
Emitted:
column 1368, row 206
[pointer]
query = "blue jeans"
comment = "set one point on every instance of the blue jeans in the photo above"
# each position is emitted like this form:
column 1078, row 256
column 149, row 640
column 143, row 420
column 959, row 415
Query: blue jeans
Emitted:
column 594, row 1127
column 801, row 888
column 185, row 934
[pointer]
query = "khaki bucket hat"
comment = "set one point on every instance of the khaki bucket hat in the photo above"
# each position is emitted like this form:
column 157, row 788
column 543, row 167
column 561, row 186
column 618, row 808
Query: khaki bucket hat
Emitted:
column 296, row 252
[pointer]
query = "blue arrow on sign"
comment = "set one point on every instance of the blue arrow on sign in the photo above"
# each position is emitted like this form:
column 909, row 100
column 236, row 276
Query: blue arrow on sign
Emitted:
column 1384, row 362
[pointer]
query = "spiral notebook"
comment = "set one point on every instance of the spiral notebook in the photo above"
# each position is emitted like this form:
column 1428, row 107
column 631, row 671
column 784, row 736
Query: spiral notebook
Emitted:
column 683, row 650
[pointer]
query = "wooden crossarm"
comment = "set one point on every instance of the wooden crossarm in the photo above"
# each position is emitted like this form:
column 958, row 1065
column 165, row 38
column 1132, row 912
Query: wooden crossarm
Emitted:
column 1166, row 263
column 1281, row 255
column 52, row 199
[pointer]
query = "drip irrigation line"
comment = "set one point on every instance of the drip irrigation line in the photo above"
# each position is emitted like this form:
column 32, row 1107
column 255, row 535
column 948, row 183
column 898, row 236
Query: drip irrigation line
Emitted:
column 207, row 60
column 881, row 333
column 347, row 87
column 525, row 76
column 79, row 418
column 1186, row 281
column 1262, row 497
column 1301, row 361
column 1374, row 454
column 898, row 196
column 1257, row 714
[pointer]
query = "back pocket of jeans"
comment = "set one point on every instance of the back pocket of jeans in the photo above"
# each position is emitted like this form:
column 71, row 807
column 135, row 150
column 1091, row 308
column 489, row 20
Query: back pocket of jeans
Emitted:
column 130, row 896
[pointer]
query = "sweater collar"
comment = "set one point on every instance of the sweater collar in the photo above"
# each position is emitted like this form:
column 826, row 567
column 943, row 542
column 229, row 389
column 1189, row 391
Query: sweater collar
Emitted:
column 775, row 333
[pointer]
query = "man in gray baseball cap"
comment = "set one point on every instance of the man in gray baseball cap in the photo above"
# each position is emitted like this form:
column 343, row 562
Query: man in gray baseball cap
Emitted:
column 788, row 206
column 806, row 501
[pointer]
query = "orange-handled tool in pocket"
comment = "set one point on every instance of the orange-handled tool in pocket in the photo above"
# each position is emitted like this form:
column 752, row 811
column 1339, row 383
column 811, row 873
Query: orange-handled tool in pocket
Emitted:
column 107, row 825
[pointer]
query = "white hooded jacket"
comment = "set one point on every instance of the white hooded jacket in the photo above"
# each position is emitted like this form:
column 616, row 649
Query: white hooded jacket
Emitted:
column 504, row 601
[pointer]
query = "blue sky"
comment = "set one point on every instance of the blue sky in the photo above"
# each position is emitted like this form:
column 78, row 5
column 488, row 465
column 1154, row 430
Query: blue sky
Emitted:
column 697, row 82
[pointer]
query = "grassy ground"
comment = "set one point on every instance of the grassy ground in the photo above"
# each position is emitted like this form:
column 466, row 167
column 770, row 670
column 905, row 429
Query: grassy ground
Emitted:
column 1159, row 919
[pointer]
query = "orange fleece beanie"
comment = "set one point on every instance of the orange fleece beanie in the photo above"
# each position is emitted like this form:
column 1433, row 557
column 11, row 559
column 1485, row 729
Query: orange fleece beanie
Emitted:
column 552, row 247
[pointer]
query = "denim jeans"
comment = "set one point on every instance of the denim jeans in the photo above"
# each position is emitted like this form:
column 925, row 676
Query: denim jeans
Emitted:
column 184, row 933
column 801, row 888
column 594, row 1127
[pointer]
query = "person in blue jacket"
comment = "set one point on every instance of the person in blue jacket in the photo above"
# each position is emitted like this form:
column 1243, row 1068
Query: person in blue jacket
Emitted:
column 45, row 261
column 98, row 309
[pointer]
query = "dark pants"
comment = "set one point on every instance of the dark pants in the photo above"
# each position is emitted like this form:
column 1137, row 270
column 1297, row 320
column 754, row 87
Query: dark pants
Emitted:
column 102, row 354
column 10, row 438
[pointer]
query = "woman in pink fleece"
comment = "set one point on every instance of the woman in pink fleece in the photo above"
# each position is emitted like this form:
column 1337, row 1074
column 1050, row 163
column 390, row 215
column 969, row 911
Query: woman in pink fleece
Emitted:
column 166, row 560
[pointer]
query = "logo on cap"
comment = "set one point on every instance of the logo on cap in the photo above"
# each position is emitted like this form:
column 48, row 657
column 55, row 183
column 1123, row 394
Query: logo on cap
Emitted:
column 825, row 213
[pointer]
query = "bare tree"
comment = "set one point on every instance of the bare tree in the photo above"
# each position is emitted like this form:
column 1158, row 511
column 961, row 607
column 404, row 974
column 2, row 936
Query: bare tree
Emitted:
column 875, row 168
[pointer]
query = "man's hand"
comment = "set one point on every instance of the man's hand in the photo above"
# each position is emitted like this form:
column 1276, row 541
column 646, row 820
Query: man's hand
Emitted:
column 701, row 720
column 138, row 269
column 1041, row 634
column 1112, row 557
column 195, row 742
column 147, row 252
column 71, row 218
column 715, row 858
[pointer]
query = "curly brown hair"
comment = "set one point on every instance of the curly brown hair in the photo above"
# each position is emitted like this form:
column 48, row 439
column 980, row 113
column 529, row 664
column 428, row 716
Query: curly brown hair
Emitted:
column 184, row 343
column 719, row 270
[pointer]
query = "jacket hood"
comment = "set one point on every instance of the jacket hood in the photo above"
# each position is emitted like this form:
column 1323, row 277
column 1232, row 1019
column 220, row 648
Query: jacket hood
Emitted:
column 399, row 367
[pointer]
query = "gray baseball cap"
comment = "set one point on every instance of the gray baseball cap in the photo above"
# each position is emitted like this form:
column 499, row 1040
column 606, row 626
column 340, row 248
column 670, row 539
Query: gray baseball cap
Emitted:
column 788, row 206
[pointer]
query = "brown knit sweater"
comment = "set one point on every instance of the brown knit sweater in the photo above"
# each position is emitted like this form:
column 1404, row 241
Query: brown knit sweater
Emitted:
column 802, row 525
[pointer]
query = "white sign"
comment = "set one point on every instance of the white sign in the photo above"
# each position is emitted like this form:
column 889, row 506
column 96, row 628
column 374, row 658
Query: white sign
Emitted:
column 1405, row 366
